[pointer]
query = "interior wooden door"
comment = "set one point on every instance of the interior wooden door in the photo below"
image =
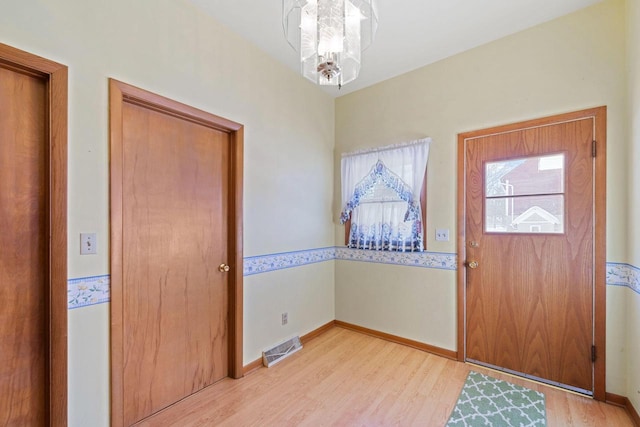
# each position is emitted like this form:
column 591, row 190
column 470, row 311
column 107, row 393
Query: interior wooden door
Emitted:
column 24, row 248
column 32, row 231
column 529, row 247
column 174, row 256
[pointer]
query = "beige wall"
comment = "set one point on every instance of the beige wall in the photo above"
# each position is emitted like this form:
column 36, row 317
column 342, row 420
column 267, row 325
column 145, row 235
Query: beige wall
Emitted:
column 633, row 299
column 417, row 307
column 306, row 293
column 168, row 47
column 633, row 160
column 560, row 66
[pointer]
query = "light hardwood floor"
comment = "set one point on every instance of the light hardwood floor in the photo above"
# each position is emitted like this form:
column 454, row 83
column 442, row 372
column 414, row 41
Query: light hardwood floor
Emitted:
column 345, row 378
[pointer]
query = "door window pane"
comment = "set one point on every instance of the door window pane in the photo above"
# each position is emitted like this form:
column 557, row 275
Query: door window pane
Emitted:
column 525, row 195
column 528, row 214
column 525, row 176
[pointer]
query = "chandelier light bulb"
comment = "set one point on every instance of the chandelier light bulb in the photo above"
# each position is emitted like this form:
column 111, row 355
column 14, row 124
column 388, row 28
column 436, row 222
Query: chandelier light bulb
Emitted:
column 330, row 36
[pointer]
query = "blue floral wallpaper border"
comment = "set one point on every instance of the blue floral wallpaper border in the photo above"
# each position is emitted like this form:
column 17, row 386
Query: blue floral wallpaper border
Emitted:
column 440, row 260
column 264, row 263
column 87, row 291
column 623, row 275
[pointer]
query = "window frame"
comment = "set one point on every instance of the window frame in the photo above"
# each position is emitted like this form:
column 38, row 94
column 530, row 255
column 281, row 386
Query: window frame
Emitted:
column 516, row 196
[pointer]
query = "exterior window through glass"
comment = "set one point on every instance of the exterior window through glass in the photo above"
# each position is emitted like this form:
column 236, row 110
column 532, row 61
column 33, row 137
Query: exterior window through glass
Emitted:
column 525, row 195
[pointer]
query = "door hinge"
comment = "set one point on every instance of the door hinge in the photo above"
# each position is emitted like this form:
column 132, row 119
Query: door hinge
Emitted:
column 593, row 353
column 593, row 148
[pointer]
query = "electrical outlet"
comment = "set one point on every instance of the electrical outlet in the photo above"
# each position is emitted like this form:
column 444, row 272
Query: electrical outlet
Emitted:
column 285, row 318
column 88, row 244
column 442, row 234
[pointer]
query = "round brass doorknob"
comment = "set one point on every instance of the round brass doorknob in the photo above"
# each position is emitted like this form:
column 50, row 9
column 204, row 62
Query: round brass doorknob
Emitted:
column 223, row 268
column 472, row 264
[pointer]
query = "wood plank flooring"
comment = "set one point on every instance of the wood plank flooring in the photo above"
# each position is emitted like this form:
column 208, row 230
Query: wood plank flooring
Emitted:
column 344, row 378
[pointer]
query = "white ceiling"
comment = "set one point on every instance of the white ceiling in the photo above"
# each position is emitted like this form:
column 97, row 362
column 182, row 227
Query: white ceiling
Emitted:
column 411, row 33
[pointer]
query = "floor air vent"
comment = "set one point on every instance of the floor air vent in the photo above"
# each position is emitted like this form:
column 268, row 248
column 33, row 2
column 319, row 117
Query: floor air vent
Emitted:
column 281, row 351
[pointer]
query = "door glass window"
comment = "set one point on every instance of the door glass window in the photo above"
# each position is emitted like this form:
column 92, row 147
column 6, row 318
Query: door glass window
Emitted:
column 525, row 195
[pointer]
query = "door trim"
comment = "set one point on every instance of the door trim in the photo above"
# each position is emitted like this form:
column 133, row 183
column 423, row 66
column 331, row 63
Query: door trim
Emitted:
column 56, row 293
column 599, row 114
column 120, row 93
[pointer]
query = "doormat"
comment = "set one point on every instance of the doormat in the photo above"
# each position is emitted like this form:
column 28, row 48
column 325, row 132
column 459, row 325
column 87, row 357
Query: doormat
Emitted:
column 486, row 401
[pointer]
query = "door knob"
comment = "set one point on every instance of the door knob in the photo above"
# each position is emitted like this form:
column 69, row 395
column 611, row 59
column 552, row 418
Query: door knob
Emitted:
column 472, row 264
column 223, row 268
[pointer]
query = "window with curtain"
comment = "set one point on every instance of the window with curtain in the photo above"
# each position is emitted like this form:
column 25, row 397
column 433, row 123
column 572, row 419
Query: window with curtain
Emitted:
column 381, row 191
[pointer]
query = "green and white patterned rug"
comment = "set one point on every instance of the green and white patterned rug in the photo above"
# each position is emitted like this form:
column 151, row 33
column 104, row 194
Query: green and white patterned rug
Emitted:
column 486, row 401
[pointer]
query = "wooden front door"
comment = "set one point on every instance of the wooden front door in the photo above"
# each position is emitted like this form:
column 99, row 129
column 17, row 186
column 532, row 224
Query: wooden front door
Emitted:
column 530, row 247
column 32, row 231
column 175, row 256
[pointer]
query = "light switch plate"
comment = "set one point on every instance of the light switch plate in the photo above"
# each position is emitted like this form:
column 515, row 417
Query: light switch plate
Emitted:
column 88, row 244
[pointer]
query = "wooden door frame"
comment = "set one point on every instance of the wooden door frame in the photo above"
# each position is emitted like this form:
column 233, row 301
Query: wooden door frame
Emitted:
column 599, row 114
column 55, row 76
column 120, row 93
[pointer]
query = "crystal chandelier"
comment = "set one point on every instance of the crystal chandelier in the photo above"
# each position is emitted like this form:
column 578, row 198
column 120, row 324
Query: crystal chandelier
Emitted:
column 330, row 36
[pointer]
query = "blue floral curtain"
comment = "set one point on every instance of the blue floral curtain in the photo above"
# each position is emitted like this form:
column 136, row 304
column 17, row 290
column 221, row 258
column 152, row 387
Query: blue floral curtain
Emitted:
column 393, row 222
